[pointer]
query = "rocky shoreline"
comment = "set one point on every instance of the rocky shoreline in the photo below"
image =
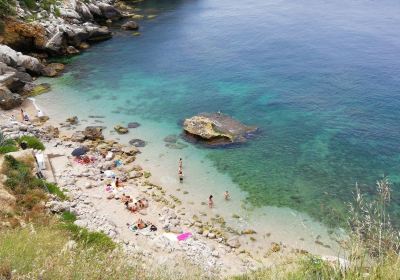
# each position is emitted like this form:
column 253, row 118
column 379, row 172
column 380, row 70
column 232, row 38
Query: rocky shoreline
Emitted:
column 35, row 34
column 209, row 248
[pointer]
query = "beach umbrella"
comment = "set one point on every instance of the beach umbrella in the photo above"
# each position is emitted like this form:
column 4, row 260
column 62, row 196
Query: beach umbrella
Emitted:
column 79, row 151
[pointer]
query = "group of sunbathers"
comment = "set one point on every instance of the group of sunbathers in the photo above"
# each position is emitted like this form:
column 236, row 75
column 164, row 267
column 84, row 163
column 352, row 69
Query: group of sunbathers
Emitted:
column 134, row 207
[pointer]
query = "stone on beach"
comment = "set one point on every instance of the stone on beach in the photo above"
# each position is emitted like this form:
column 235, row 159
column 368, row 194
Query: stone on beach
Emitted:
column 121, row 129
column 233, row 242
column 93, row 133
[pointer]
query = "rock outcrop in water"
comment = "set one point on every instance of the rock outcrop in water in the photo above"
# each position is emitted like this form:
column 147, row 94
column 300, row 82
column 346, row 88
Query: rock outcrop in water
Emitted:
column 217, row 129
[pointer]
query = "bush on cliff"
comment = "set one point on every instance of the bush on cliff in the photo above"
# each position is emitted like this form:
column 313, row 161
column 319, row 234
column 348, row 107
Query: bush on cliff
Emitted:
column 32, row 142
column 7, row 8
column 7, row 145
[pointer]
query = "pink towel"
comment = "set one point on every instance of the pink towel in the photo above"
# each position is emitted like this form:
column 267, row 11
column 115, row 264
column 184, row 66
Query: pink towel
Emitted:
column 184, row 236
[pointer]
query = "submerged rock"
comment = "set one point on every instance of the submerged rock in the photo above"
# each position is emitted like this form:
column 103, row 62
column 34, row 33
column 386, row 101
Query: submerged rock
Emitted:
column 217, row 129
column 130, row 25
column 53, row 69
column 171, row 139
column 133, row 125
column 137, row 143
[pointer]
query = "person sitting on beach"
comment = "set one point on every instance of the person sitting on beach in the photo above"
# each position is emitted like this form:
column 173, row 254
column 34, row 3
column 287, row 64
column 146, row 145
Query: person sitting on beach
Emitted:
column 210, row 201
column 227, row 195
column 26, row 117
column 140, row 224
column 117, row 183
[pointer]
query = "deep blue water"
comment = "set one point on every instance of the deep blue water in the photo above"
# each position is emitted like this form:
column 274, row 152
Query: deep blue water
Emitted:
column 321, row 79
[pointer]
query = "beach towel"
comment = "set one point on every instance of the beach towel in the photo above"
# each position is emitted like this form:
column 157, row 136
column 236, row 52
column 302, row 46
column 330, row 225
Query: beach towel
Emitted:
column 184, row 236
column 109, row 174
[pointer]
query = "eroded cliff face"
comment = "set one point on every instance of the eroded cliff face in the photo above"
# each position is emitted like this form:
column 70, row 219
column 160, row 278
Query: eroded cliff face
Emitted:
column 23, row 36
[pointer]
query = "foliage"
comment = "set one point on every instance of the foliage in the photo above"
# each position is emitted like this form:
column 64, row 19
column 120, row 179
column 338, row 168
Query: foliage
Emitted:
column 32, row 142
column 88, row 238
column 30, row 4
column 7, row 8
column 7, row 145
column 54, row 189
column 370, row 223
column 44, row 255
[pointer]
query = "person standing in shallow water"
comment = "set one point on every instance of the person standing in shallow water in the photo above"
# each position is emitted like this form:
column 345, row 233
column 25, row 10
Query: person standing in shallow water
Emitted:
column 210, row 201
column 180, row 170
column 227, row 196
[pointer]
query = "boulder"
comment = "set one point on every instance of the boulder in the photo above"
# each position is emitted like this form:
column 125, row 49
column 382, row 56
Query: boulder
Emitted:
column 94, row 10
column 53, row 69
column 130, row 151
column 9, row 100
column 109, row 12
column 17, row 59
column 216, row 129
column 72, row 50
column 94, row 133
column 120, row 129
column 96, row 33
column 78, row 136
column 83, row 11
column 56, row 42
column 130, row 25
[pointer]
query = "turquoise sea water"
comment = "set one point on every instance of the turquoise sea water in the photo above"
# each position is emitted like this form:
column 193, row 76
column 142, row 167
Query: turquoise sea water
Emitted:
column 321, row 79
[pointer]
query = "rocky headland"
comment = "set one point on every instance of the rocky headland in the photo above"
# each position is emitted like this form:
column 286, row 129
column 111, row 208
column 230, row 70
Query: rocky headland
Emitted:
column 29, row 36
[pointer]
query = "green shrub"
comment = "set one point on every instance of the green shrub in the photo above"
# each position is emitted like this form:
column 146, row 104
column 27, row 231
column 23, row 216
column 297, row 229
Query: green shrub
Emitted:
column 30, row 4
column 8, row 149
column 54, row 189
column 7, row 145
column 7, row 8
column 86, row 237
column 32, row 142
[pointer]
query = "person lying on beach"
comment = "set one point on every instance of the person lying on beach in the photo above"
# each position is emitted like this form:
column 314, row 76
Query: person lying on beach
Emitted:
column 133, row 208
column 126, row 198
column 180, row 164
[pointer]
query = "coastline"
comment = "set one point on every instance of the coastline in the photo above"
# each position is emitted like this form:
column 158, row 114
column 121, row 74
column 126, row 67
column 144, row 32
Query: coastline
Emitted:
column 256, row 250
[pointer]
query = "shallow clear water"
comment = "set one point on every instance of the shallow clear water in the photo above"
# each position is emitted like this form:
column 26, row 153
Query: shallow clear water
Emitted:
column 321, row 79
